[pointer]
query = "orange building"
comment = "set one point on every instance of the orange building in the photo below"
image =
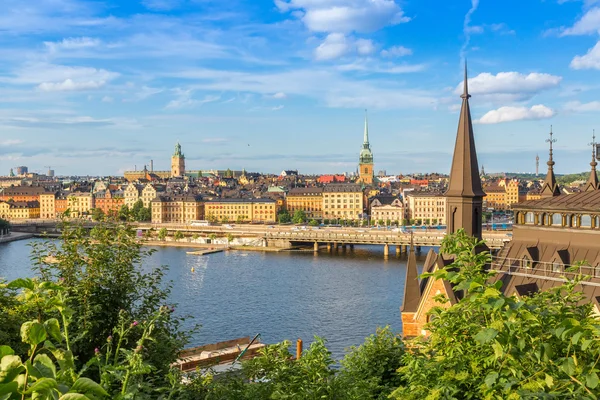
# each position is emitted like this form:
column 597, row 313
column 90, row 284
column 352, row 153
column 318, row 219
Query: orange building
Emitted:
column 21, row 193
column 109, row 202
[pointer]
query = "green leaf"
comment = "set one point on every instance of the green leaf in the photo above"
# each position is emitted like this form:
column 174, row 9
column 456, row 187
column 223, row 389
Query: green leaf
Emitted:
column 10, row 367
column 33, row 371
column 486, row 335
column 33, row 333
column 86, row 385
column 568, row 366
column 549, row 381
column 21, row 283
column 53, row 328
column 10, row 387
column 45, row 365
column 585, row 343
column 42, row 385
column 73, row 396
column 6, row 351
column 498, row 350
column 591, row 380
column 576, row 337
column 490, row 379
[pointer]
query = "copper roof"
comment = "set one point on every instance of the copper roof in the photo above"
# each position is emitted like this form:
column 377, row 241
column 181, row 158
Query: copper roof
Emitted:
column 584, row 201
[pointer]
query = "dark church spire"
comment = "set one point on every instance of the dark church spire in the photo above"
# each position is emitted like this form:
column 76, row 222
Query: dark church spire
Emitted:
column 464, row 174
column 412, row 289
column 592, row 183
column 464, row 194
column 550, row 187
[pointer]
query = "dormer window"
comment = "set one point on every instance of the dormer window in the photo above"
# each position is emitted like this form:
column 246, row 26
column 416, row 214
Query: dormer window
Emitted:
column 556, row 219
column 529, row 218
column 526, row 263
column 586, row 221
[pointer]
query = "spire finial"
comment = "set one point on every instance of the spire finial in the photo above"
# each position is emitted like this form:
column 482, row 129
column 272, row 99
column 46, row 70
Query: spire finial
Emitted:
column 466, row 94
column 366, row 133
column 593, row 144
column 551, row 141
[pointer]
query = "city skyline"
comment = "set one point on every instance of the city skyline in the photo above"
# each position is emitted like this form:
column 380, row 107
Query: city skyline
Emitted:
column 94, row 88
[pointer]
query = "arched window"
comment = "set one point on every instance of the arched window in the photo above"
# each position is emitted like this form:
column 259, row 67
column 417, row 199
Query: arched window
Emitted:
column 586, row 221
column 556, row 219
column 529, row 218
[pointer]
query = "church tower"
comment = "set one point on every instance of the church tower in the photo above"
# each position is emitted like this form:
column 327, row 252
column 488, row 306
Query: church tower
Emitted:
column 464, row 194
column 592, row 183
column 365, row 161
column 177, row 163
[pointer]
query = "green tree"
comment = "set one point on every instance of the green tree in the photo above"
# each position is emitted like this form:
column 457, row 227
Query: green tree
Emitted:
column 162, row 234
column 284, row 217
column 230, row 238
column 212, row 237
column 495, row 346
column 212, row 218
column 313, row 222
column 427, row 221
column 388, row 222
column 124, row 213
column 97, row 214
column 326, row 221
column 380, row 222
column 225, row 219
column 299, row 217
column 144, row 214
column 405, row 221
column 240, row 219
column 178, row 235
column 135, row 209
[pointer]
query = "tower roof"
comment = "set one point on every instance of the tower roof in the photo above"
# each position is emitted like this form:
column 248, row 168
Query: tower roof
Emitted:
column 412, row 289
column 464, row 174
column 592, row 183
column 550, row 187
column 366, row 156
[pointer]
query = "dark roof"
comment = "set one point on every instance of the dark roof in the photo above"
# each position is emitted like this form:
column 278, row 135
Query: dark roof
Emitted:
column 584, row 201
column 241, row 201
column 22, row 190
column 384, row 200
column 342, row 187
column 309, row 191
column 177, row 197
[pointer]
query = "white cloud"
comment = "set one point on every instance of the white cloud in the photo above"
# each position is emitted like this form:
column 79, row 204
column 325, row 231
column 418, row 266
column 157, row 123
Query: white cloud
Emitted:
column 69, row 85
column 185, row 99
column 10, row 142
column 508, row 114
column 373, row 66
column 518, row 86
column 51, row 77
column 591, row 60
column 588, row 24
column 364, row 47
column 345, row 15
column 161, row 5
column 396, row 51
column 334, row 46
column 466, row 27
column 72, row 44
column 576, row 106
column 107, row 99
column 279, row 95
column 276, row 108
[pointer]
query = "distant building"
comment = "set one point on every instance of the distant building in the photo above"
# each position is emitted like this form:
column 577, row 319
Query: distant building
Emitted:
column 177, row 208
column 21, row 193
column 343, row 201
column 22, row 170
column 241, row 210
column 365, row 160
column 387, row 208
column 326, row 179
column 427, row 207
column 15, row 210
column 110, row 202
column 309, row 200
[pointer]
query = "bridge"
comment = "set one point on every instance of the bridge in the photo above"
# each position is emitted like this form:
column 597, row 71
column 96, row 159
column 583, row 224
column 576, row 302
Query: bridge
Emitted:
column 290, row 235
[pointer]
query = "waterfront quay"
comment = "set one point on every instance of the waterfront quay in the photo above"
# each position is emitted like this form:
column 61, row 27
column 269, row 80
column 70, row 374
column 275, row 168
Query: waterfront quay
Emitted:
column 285, row 236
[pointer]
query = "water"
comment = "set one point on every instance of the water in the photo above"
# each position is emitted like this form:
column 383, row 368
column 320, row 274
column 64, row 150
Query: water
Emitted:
column 342, row 297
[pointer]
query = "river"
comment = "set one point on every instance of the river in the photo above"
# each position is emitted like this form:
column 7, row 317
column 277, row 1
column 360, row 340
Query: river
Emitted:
column 342, row 297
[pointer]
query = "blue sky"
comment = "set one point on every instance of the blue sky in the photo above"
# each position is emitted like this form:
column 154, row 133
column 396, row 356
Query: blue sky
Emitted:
column 96, row 87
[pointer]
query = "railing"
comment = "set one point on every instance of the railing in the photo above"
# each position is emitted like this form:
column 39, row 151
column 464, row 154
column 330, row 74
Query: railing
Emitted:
column 548, row 270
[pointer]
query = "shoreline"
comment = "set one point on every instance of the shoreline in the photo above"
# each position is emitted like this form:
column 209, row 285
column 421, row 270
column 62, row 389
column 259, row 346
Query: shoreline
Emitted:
column 14, row 236
column 223, row 247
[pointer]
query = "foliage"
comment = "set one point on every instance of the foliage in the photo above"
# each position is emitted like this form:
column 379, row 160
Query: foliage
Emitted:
column 313, row 222
column 299, row 217
column 239, row 219
column 123, row 214
column 97, row 214
column 492, row 346
column 212, row 236
column 178, row 235
column 101, row 273
column 224, row 219
column 162, row 233
column 140, row 213
column 11, row 319
column 4, row 224
column 284, row 217
column 229, row 238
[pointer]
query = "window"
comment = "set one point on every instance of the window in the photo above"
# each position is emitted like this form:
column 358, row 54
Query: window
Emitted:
column 586, row 221
column 556, row 219
column 529, row 218
column 526, row 263
column 557, row 266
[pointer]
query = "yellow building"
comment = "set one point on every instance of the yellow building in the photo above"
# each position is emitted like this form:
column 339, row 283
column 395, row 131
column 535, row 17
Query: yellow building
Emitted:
column 48, row 205
column 429, row 208
column 343, row 201
column 177, row 209
column 150, row 192
column 177, row 162
column 80, row 204
column 14, row 210
column 504, row 194
column 495, row 197
column 309, row 200
column 132, row 193
column 241, row 210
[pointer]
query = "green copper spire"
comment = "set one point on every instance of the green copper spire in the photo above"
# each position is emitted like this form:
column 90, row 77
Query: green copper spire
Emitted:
column 366, row 156
column 178, row 151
